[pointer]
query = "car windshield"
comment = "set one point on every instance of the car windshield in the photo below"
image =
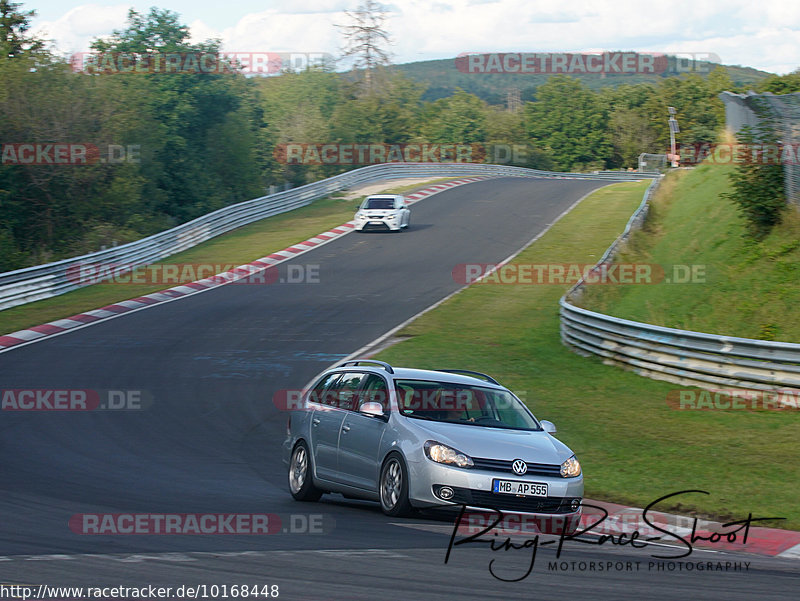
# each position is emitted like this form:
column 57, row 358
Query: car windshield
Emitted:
column 380, row 203
column 463, row 404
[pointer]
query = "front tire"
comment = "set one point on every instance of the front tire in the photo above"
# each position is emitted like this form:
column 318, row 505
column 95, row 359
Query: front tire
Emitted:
column 393, row 487
column 301, row 484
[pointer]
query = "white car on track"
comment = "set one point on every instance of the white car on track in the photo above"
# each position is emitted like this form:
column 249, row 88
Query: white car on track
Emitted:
column 383, row 212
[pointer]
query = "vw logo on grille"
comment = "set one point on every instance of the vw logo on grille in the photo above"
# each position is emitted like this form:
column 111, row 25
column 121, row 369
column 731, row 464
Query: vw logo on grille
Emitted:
column 519, row 467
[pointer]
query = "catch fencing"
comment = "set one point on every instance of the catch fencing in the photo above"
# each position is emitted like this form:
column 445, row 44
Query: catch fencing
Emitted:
column 783, row 112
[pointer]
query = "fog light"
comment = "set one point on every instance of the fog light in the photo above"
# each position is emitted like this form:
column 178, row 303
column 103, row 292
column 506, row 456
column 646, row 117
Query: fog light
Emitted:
column 446, row 493
column 576, row 503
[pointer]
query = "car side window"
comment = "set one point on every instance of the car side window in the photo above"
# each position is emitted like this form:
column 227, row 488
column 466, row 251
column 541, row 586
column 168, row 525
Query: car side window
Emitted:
column 374, row 390
column 347, row 388
column 405, row 399
column 321, row 393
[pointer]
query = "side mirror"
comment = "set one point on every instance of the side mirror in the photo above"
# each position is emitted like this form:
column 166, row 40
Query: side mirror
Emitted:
column 549, row 427
column 372, row 409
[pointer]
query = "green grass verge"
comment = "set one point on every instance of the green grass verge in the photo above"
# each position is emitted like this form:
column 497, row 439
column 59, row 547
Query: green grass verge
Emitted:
column 747, row 289
column 633, row 447
column 240, row 246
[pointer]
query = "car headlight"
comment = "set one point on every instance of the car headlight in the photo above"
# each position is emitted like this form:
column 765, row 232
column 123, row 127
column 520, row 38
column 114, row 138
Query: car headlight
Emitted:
column 571, row 468
column 441, row 453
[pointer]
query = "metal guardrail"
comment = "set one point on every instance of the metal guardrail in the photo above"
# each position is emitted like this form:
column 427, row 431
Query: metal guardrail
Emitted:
column 44, row 281
column 683, row 357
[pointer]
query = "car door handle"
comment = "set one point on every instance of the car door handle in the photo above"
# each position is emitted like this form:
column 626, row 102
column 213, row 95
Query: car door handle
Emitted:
column 345, row 428
column 315, row 421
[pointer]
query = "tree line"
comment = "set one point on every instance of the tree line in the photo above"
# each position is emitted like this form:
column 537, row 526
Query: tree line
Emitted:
column 169, row 147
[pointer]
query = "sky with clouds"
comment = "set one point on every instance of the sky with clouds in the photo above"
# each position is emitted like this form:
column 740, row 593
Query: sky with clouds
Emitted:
column 764, row 35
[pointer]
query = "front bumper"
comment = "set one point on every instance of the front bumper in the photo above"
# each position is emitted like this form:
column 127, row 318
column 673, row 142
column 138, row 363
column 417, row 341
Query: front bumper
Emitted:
column 378, row 225
column 473, row 488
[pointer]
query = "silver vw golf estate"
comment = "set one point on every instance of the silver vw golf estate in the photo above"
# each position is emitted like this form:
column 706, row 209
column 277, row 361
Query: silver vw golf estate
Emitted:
column 413, row 438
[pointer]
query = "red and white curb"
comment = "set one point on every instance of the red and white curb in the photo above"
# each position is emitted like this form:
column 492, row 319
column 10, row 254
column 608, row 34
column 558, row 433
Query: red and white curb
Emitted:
column 708, row 535
column 60, row 326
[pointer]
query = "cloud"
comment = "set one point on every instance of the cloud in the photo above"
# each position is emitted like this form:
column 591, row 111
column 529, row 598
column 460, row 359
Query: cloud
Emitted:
column 774, row 49
column 315, row 7
column 76, row 29
column 272, row 31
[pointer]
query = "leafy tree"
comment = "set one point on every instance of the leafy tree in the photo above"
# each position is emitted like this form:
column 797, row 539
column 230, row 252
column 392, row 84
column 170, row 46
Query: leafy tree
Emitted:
column 190, row 167
column 459, row 119
column 631, row 127
column 700, row 113
column 719, row 80
column 295, row 107
column 11, row 257
column 507, row 142
column 14, row 24
column 781, row 84
column 159, row 31
column 46, row 204
column 570, row 122
column 758, row 189
column 390, row 114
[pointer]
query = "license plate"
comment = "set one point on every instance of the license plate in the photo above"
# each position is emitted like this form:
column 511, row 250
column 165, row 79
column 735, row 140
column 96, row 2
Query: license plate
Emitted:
column 376, row 222
column 519, row 488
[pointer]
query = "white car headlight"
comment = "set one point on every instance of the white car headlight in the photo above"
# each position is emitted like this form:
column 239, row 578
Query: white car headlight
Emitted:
column 571, row 468
column 441, row 453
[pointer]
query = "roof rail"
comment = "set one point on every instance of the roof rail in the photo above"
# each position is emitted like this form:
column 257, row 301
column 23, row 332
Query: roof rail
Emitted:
column 489, row 379
column 382, row 364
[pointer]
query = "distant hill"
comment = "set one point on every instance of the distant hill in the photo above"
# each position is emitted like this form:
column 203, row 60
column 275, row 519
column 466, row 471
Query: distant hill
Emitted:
column 445, row 75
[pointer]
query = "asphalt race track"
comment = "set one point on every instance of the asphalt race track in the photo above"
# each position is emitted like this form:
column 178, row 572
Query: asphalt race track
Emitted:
column 207, row 438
